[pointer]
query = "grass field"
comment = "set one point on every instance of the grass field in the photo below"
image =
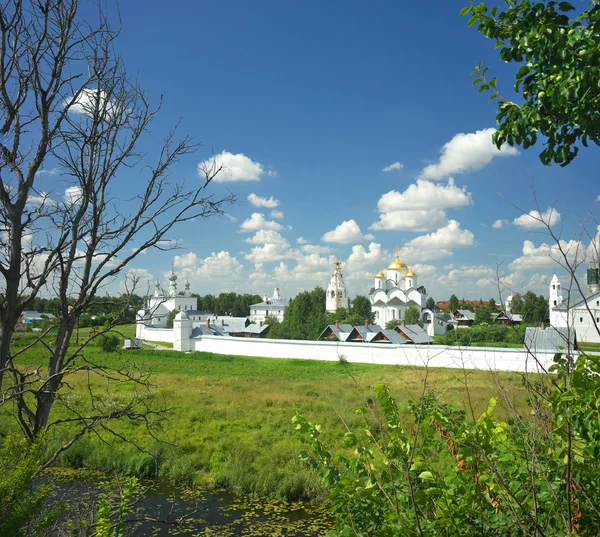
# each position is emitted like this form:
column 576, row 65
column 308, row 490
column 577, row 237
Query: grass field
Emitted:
column 229, row 419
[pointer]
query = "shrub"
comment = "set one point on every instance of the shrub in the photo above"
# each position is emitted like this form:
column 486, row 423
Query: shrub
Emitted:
column 109, row 342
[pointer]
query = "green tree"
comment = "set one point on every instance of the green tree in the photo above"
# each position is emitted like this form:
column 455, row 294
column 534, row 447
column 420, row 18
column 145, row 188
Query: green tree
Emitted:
column 492, row 305
column 535, row 309
column 453, row 304
column 516, row 303
column 170, row 318
column 483, row 315
column 412, row 315
column 361, row 307
column 430, row 304
column 390, row 325
column 558, row 51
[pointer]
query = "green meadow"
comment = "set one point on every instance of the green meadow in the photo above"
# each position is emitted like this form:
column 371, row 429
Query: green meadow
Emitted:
column 228, row 418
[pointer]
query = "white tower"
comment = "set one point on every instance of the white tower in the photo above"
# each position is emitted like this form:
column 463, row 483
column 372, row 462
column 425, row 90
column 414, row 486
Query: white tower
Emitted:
column 337, row 294
column 558, row 314
column 172, row 284
column 182, row 331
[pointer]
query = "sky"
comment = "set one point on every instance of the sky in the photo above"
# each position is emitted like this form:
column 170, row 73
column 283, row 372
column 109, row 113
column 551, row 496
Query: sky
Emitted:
column 346, row 128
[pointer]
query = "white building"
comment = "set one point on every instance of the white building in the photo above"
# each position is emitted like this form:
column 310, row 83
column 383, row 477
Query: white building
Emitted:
column 337, row 294
column 275, row 306
column 581, row 315
column 394, row 291
column 163, row 302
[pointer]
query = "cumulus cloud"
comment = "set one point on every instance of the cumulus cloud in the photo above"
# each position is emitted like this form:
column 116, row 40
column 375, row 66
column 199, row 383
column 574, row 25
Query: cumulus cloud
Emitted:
column 392, row 167
column 273, row 247
column 347, row 232
column 421, row 207
column 449, row 237
column 258, row 222
column 548, row 255
column 236, row 167
column 301, row 240
column 536, row 220
column 258, row 201
column 218, row 265
column 466, row 152
column 94, row 102
column 73, row 195
column 499, row 224
column 278, row 215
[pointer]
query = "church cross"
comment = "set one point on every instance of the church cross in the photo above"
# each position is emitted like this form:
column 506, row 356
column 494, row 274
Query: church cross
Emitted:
column 397, row 249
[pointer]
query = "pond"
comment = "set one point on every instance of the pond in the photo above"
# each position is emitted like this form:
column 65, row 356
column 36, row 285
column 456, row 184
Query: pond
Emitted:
column 164, row 508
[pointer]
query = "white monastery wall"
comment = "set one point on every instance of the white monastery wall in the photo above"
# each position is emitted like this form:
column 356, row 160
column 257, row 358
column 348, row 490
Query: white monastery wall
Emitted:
column 411, row 355
column 154, row 334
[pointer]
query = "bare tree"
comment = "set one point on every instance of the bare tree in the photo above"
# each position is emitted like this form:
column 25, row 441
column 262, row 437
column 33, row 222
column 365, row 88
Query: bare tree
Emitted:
column 66, row 97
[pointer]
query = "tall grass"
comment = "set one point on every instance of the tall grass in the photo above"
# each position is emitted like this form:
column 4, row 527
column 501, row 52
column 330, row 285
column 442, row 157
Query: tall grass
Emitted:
column 229, row 419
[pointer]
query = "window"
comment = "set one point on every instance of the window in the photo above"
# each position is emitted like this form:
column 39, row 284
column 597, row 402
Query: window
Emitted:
column 554, row 287
column 393, row 314
column 555, row 302
column 597, row 302
column 580, row 319
column 332, row 294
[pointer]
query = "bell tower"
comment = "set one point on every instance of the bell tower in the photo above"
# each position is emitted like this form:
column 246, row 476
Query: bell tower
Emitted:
column 337, row 294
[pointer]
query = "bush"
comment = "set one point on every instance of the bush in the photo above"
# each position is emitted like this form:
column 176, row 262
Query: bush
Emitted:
column 109, row 342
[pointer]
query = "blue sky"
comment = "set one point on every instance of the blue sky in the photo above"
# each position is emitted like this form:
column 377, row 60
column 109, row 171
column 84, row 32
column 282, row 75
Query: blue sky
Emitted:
column 310, row 101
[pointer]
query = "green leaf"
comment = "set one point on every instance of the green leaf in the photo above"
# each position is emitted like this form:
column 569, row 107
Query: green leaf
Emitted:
column 472, row 20
column 426, row 476
column 523, row 70
column 465, row 10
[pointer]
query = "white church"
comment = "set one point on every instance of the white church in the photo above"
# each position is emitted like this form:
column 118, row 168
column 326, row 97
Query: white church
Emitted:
column 394, row 291
column 582, row 314
column 162, row 302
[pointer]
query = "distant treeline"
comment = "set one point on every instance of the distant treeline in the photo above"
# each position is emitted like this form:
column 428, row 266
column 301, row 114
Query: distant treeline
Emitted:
column 227, row 304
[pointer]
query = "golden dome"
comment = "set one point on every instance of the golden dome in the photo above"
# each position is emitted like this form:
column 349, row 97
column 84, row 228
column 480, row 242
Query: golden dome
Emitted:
column 380, row 275
column 411, row 273
column 397, row 265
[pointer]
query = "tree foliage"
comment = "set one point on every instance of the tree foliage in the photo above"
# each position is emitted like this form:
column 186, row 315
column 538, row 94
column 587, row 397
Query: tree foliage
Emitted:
column 558, row 51
column 412, row 315
column 453, row 303
column 231, row 304
column 443, row 471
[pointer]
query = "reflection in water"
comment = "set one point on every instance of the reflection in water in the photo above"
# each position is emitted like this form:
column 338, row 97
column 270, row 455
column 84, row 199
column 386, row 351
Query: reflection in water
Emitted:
column 163, row 509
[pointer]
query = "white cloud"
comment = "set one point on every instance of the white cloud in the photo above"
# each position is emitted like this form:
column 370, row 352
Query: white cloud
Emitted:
column 236, row 167
column 347, row 232
column 273, row 247
column 421, row 207
column 420, row 220
column 536, row 220
column 548, row 255
column 94, row 102
column 258, row 201
column 449, row 237
column 216, row 266
column 392, row 167
column 51, row 172
column 499, row 224
column 278, row 215
column 301, row 240
column 266, row 236
column 598, row 198
column 466, row 153
column 257, row 222
column 73, row 195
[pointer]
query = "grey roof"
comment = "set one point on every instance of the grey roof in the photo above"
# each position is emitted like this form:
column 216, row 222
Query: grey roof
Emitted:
column 36, row 316
column 414, row 332
column 204, row 330
column 396, row 302
column 379, row 303
column 394, row 337
column 340, row 332
column 275, row 303
column 550, row 339
column 230, row 324
column 411, row 302
column 255, row 328
column 582, row 301
column 198, row 312
column 466, row 314
column 367, row 333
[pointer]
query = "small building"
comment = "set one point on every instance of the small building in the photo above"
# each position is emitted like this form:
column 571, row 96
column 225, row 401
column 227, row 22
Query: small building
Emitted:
column 464, row 317
column 28, row 317
column 275, row 307
column 413, row 333
column 507, row 318
column 132, row 344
